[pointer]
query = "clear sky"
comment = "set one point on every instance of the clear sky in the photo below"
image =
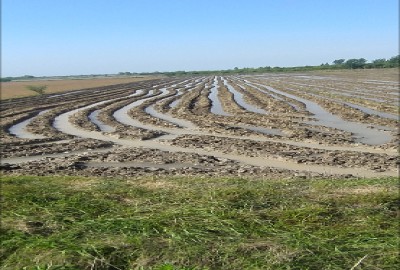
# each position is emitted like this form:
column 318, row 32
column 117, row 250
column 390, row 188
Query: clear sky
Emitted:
column 70, row 37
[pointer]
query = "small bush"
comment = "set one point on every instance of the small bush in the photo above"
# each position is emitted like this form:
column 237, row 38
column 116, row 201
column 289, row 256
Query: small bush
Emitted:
column 40, row 89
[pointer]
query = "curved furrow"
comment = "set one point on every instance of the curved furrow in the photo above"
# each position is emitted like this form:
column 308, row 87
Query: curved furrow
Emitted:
column 239, row 99
column 82, row 118
column 41, row 125
column 65, row 126
column 286, row 104
column 20, row 130
column 139, row 118
column 349, row 111
column 322, row 117
column 359, row 96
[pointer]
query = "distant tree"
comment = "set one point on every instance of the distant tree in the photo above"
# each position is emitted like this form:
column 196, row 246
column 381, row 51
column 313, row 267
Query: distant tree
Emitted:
column 338, row 61
column 394, row 61
column 379, row 63
column 40, row 89
column 355, row 63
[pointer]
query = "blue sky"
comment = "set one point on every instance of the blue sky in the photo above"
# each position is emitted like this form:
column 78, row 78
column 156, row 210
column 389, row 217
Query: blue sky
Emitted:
column 68, row 37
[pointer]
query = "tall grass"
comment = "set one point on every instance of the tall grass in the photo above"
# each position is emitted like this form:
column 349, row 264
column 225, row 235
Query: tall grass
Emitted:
column 198, row 223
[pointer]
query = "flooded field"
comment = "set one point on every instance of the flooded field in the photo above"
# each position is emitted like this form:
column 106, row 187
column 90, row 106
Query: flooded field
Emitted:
column 269, row 125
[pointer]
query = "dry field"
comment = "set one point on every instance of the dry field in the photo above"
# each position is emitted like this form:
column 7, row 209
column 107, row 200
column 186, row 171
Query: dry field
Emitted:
column 321, row 124
column 18, row 89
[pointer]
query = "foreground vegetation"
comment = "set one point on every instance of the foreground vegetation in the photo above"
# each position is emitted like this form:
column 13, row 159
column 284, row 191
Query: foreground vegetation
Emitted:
column 197, row 223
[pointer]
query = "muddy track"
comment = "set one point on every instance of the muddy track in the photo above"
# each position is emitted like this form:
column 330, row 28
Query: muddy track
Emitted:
column 174, row 126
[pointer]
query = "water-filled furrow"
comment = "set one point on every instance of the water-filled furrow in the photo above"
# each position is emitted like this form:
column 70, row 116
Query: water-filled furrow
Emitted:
column 361, row 132
column 179, row 122
column 103, row 126
column 341, row 87
column 59, row 119
column 355, row 106
column 166, row 117
column 294, row 106
column 122, row 116
column 372, row 111
column 176, row 102
column 239, row 99
column 93, row 116
column 360, row 93
column 19, row 129
column 216, row 106
column 65, row 126
column 382, row 82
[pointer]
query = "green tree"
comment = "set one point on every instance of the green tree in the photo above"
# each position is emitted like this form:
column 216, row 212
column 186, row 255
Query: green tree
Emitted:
column 394, row 61
column 40, row 89
column 6, row 79
column 355, row 63
column 379, row 63
column 338, row 61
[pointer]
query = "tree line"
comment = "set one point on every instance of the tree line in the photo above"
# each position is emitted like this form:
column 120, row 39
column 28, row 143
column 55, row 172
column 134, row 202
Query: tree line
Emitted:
column 360, row 63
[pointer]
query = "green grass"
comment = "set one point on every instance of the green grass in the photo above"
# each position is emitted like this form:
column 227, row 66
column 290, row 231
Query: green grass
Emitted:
column 197, row 223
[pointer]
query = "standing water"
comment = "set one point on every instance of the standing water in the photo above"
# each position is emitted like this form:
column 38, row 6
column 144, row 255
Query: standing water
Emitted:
column 216, row 107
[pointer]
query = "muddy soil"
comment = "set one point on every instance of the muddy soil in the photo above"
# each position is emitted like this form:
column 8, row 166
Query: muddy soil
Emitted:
column 172, row 128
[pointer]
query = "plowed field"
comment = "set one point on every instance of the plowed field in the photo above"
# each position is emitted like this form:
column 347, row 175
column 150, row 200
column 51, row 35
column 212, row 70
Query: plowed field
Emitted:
column 269, row 126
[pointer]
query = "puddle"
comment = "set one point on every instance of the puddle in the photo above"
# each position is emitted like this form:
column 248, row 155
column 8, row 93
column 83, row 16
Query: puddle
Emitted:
column 20, row 131
column 216, row 107
column 361, row 132
column 238, row 97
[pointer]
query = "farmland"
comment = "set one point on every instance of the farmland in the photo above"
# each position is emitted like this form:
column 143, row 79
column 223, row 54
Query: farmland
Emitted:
column 338, row 124
column 266, row 171
column 17, row 89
